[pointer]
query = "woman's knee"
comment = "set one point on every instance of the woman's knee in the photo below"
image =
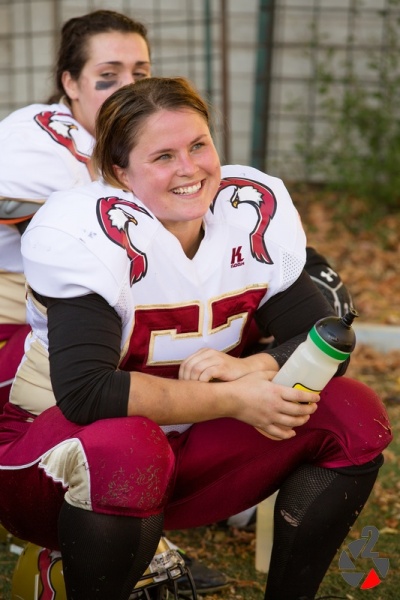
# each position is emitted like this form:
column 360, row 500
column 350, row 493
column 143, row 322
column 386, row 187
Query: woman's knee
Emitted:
column 130, row 464
column 356, row 414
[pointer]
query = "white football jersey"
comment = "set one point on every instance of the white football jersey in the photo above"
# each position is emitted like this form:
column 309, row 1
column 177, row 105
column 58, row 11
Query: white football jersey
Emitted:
column 101, row 240
column 44, row 149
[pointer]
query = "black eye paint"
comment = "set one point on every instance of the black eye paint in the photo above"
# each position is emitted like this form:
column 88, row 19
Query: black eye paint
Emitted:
column 104, row 85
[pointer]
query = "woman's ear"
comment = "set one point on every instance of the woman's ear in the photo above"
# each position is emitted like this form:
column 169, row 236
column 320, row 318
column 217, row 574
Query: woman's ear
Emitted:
column 70, row 85
column 120, row 174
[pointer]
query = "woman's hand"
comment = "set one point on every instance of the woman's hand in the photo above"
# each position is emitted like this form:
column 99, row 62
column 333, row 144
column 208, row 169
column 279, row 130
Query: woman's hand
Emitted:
column 274, row 410
column 249, row 396
column 207, row 365
column 247, row 392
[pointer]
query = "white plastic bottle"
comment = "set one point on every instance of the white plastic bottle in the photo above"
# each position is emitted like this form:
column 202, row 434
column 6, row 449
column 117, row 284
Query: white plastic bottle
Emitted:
column 315, row 361
column 310, row 367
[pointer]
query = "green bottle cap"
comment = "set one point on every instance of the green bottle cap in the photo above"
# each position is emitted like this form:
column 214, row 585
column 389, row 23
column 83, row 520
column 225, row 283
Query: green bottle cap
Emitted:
column 327, row 348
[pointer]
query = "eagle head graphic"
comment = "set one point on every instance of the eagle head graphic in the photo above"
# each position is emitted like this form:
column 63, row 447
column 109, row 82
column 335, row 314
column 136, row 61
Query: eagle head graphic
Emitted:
column 262, row 198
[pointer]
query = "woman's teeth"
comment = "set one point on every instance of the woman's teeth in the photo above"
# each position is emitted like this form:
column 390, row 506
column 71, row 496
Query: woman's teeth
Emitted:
column 191, row 189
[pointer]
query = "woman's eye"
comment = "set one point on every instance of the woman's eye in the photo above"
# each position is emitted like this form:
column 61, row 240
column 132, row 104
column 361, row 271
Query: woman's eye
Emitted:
column 197, row 146
column 164, row 157
column 141, row 75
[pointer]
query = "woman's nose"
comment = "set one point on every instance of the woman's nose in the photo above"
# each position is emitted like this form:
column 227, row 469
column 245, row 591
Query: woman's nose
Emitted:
column 186, row 165
column 128, row 78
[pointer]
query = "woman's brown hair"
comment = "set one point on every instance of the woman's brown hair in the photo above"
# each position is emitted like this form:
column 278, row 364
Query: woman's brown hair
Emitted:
column 123, row 116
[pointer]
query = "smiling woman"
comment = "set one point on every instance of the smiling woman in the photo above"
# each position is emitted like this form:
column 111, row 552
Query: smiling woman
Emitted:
column 183, row 166
column 144, row 288
column 174, row 169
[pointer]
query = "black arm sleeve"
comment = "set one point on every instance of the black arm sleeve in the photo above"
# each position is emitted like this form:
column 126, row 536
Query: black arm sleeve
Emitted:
column 84, row 348
column 289, row 315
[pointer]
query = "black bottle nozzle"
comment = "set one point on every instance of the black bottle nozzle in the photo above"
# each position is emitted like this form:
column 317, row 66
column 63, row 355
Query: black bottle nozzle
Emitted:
column 349, row 317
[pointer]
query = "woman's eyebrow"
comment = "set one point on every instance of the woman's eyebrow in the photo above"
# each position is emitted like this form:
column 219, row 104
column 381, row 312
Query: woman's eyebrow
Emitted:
column 138, row 63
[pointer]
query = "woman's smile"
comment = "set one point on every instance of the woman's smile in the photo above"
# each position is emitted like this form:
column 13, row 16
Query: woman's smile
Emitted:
column 188, row 190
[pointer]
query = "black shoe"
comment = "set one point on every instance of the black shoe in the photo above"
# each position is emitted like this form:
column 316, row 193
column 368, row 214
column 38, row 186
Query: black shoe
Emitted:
column 205, row 579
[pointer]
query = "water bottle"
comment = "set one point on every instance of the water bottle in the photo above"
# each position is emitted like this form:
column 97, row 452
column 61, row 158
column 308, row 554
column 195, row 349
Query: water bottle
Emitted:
column 315, row 361
column 309, row 368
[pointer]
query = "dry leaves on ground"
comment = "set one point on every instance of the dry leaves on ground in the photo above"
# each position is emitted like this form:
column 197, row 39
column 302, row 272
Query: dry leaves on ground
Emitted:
column 368, row 260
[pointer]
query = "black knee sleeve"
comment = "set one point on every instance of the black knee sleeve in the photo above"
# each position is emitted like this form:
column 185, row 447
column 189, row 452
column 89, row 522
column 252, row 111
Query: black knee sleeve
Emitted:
column 314, row 512
column 105, row 555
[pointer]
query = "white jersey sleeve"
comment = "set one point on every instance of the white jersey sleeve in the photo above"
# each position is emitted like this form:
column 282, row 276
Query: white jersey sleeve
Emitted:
column 60, row 247
column 43, row 149
column 64, row 254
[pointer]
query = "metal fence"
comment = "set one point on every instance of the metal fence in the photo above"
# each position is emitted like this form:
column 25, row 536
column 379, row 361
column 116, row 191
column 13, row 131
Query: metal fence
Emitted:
column 255, row 60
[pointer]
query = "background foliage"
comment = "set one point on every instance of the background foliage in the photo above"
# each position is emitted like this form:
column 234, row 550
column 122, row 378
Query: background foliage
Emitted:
column 356, row 149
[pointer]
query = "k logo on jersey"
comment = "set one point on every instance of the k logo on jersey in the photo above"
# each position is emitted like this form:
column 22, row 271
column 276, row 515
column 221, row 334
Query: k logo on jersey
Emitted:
column 59, row 129
column 115, row 216
column 264, row 202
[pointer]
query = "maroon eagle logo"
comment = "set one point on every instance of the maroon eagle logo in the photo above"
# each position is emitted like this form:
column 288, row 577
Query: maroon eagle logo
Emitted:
column 115, row 216
column 60, row 131
column 264, row 202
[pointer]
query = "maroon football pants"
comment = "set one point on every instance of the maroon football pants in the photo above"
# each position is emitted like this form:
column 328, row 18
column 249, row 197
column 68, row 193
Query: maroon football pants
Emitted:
column 211, row 471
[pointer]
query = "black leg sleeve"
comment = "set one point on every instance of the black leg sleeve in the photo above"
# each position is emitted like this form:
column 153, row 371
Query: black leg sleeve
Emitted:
column 314, row 512
column 105, row 555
